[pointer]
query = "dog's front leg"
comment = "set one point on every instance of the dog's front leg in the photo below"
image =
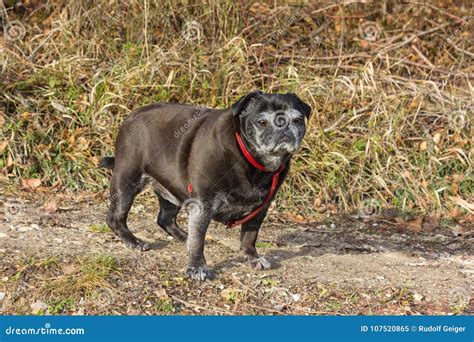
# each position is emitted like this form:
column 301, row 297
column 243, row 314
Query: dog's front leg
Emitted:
column 248, row 237
column 198, row 221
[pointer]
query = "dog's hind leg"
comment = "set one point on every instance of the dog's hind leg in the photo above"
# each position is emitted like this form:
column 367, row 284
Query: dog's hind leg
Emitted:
column 167, row 218
column 124, row 189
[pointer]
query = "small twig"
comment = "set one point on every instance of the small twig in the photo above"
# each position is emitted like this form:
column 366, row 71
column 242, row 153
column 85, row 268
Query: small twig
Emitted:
column 208, row 307
column 422, row 56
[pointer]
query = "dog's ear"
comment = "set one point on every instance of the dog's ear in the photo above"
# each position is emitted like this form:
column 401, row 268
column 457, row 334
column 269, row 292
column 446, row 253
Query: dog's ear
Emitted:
column 300, row 105
column 244, row 101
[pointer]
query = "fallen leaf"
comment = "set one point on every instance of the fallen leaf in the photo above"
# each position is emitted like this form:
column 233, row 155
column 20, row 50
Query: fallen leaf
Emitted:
column 454, row 212
column 31, row 183
column 415, row 224
column 82, row 143
column 467, row 219
column 463, row 203
column 26, row 115
column 430, row 223
column 317, row 202
column 38, row 307
column 3, row 145
column 228, row 292
column 9, row 162
column 295, row 218
column 69, row 269
column 59, row 107
column 161, row 293
column 423, row 146
column 417, row 297
column 363, row 43
column 50, row 207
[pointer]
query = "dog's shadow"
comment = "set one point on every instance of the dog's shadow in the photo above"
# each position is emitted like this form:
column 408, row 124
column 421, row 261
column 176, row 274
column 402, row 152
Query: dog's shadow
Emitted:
column 159, row 245
column 349, row 236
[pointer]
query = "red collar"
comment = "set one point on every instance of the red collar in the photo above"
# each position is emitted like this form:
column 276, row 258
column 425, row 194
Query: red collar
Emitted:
column 247, row 154
column 257, row 165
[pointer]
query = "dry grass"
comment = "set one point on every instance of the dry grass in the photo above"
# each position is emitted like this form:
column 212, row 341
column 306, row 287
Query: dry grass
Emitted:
column 392, row 112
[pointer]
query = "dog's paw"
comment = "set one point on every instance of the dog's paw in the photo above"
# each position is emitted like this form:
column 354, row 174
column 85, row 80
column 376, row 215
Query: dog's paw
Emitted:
column 259, row 263
column 200, row 273
column 138, row 244
column 179, row 235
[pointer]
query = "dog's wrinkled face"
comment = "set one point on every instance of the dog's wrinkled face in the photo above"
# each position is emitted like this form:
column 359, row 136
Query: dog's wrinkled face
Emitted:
column 272, row 125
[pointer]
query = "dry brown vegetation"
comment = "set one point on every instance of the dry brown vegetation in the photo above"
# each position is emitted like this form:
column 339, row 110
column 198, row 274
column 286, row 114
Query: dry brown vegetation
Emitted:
column 390, row 84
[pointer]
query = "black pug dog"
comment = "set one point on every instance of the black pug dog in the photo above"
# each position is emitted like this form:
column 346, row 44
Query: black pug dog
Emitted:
column 220, row 164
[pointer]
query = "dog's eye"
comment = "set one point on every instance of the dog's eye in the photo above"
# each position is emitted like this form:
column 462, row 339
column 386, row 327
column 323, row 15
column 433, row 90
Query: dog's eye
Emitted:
column 262, row 123
column 298, row 121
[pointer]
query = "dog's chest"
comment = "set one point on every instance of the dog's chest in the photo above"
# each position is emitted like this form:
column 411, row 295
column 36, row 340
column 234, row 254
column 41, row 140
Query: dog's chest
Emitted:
column 238, row 202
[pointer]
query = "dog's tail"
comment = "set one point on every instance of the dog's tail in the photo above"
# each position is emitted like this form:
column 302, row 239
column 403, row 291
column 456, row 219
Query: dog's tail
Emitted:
column 108, row 163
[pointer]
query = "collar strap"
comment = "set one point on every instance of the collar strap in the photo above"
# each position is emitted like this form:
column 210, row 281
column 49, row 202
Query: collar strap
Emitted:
column 275, row 178
column 247, row 154
column 257, row 165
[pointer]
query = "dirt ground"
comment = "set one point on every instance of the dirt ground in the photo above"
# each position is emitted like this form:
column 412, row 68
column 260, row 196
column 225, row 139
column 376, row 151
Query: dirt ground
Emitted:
column 58, row 257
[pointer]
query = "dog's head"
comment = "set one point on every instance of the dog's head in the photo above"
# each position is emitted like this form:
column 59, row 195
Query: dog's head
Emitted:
column 271, row 125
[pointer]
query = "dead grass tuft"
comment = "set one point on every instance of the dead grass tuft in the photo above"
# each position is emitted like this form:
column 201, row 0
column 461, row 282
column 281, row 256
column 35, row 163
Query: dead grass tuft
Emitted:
column 390, row 85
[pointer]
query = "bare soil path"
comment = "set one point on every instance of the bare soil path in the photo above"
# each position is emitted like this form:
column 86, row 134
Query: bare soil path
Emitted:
column 68, row 262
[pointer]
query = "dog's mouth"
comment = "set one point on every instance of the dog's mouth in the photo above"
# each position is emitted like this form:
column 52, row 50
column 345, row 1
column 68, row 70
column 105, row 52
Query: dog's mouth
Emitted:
column 287, row 143
column 284, row 146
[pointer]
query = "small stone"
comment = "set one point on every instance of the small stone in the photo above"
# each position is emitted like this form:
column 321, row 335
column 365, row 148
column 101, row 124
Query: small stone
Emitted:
column 417, row 297
column 3, row 235
column 24, row 229
column 296, row 297
column 280, row 307
column 332, row 226
column 2, row 297
column 38, row 307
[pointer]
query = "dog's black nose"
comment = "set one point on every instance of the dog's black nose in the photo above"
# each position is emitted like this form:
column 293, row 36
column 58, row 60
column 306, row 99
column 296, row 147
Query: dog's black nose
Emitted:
column 288, row 136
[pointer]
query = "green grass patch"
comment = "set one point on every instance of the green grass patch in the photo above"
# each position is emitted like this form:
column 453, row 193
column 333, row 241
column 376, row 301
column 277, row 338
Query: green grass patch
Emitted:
column 99, row 228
